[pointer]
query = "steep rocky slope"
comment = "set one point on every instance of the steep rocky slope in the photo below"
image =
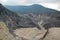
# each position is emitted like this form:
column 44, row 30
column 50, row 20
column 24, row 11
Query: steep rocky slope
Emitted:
column 4, row 32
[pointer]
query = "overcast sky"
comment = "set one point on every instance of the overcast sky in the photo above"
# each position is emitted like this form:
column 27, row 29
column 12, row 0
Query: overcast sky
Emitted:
column 54, row 4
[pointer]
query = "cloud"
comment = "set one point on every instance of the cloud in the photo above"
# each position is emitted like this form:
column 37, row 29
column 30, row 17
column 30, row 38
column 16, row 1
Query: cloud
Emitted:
column 3, row 1
column 52, row 5
column 48, row 1
column 17, row 2
column 25, row 2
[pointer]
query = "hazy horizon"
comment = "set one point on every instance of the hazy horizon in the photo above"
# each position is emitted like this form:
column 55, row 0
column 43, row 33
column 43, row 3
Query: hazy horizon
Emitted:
column 54, row 4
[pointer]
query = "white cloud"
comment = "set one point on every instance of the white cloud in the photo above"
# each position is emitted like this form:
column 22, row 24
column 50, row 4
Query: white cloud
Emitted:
column 3, row 1
column 52, row 5
column 17, row 2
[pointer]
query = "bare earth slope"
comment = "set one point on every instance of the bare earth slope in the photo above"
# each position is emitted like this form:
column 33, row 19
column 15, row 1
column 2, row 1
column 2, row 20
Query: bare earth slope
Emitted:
column 4, row 32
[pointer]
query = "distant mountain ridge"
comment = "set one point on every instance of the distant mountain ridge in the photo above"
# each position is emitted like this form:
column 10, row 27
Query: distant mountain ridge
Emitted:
column 31, row 9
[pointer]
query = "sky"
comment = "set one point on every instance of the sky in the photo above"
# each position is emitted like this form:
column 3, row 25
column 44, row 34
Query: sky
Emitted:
column 54, row 4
